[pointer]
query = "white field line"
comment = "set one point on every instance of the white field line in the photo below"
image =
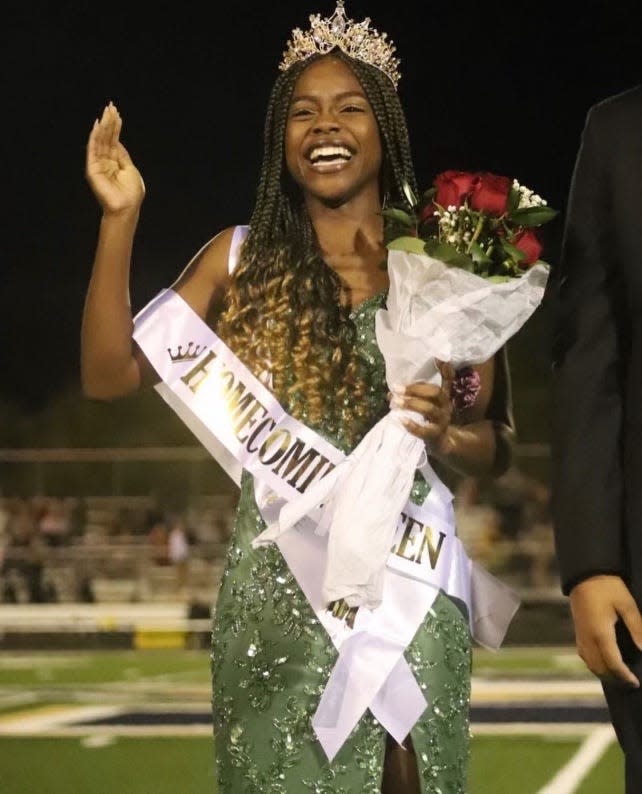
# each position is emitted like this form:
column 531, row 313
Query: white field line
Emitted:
column 46, row 720
column 63, row 721
column 575, row 730
column 144, row 731
column 485, row 690
column 13, row 699
column 569, row 777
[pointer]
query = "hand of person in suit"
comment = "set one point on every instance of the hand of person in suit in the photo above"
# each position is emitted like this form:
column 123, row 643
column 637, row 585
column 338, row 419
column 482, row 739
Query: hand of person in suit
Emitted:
column 596, row 605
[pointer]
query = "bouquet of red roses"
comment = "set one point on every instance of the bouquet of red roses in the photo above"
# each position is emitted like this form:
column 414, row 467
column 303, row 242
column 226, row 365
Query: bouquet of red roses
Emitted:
column 478, row 221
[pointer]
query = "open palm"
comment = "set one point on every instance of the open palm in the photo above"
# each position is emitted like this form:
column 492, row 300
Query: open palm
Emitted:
column 114, row 179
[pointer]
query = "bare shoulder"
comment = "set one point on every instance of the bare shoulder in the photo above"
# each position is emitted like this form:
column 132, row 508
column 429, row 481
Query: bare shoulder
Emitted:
column 206, row 277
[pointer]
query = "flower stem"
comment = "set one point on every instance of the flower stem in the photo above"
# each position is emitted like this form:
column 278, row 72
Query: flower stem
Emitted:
column 476, row 233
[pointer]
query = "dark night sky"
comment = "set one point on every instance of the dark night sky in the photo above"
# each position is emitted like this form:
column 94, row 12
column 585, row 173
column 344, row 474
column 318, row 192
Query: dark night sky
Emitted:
column 503, row 87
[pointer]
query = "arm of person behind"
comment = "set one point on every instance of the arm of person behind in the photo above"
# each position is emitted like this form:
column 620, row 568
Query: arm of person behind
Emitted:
column 111, row 364
column 587, row 417
column 481, row 440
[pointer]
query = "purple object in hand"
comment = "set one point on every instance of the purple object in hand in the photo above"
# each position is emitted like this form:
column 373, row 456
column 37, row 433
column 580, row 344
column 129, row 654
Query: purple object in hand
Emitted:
column 465, row 388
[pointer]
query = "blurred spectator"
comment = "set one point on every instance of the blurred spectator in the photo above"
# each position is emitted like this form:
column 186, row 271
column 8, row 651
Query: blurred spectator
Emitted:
column 520, row 500
column 22, row 568
column 223, row 527
column 523, row 503
column 158, row 537
column 125, row 525
column 178, row 551
column 478, row 523
column 76, row 508
column 53, row 522
column 5, row 515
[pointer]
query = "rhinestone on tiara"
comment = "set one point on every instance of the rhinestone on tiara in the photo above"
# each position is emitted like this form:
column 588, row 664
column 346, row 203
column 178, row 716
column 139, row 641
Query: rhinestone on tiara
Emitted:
column 356, row 39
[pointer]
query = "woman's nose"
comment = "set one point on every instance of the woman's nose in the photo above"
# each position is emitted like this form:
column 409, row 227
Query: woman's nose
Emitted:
column 326, row 122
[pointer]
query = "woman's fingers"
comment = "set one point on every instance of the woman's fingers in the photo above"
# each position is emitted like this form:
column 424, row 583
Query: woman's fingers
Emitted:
column 104, row 149
column 116, row 124
column 435, row 435
column 104, row 136
column 113, row 177
column 96, row 143
column 447, row 372
column 123, row 156
column 432, row 402
column 432, row 410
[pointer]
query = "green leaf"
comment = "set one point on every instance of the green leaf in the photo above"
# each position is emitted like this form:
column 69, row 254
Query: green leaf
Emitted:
column 413, row 245
column 400, row 216
column 480, row 257
column 409, row 194
column 499, row 279
column 513, row 201
column 532, row 216
column 449, row 255
column 512, row 251
column 429, row 194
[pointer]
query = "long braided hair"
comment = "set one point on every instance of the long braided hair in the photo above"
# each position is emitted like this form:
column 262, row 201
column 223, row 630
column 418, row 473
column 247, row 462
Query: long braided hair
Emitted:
column 283, row 312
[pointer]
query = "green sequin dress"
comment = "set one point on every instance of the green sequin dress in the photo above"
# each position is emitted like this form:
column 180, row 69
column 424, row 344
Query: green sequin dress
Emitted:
column 271, row 659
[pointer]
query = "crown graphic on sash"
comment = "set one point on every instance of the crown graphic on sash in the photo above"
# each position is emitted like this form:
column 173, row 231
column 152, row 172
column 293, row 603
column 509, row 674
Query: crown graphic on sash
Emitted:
column 190, row 353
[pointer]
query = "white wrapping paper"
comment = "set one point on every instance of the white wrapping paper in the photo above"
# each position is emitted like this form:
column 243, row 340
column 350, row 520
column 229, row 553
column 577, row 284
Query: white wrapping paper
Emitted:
column 433, row 312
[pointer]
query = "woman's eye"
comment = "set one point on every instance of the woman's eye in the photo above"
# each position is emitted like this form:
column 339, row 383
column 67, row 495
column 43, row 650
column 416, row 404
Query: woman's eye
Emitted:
column 298, row 112
column 353, row 109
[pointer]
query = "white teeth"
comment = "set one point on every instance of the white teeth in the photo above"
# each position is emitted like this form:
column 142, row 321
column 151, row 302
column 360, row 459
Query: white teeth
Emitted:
column 329, row 152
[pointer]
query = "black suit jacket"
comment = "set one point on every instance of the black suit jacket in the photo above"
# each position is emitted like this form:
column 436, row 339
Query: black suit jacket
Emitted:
column 597, row 372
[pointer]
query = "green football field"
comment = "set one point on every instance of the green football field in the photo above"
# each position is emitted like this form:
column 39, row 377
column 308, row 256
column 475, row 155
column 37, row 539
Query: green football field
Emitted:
column 38, row 755
column 184, row 765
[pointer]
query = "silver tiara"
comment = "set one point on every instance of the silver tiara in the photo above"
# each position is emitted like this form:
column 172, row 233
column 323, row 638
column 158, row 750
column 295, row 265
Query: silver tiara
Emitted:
column 356, row 39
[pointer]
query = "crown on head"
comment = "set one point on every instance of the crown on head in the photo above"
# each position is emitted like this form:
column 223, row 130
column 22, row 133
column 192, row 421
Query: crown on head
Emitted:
column 356, row 39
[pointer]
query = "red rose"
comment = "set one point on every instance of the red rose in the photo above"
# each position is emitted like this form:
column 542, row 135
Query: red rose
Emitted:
column 528, row 242
column 453, row 187
column 490, row 193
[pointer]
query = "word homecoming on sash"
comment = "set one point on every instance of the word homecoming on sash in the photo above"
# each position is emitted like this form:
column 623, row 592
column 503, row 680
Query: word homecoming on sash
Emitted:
column 262, row 436
column 275, row 447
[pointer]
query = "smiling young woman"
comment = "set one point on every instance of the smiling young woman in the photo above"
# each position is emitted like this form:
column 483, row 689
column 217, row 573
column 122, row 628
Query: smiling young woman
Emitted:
column 298, row 290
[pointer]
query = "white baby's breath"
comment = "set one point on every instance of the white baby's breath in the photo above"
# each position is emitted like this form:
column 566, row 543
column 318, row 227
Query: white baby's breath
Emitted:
column 527, row 197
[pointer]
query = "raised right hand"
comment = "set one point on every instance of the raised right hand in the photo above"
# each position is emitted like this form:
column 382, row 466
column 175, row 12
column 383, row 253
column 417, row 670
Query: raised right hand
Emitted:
column 113, row 178
column 596, row 604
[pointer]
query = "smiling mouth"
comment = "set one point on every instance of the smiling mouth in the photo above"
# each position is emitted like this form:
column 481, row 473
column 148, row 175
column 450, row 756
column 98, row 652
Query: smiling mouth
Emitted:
column 321, row 157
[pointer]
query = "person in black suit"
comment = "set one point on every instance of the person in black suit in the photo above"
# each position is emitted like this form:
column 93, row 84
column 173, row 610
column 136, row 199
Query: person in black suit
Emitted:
column 597, row 411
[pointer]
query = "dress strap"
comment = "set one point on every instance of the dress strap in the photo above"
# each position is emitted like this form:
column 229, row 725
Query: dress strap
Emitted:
column 240, row 233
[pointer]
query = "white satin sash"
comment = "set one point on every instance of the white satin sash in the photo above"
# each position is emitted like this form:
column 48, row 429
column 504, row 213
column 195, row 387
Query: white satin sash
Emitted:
column 242, row 425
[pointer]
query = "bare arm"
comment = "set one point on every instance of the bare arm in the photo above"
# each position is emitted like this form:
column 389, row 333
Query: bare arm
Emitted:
column 111, row 364
column 108, row 368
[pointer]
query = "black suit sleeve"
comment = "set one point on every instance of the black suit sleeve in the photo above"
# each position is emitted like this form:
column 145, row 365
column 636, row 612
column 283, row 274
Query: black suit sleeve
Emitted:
column 587, row 390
